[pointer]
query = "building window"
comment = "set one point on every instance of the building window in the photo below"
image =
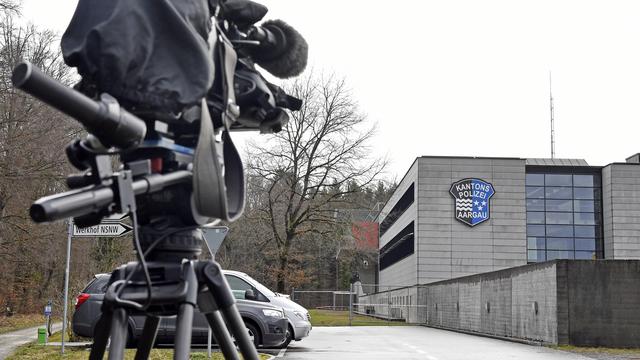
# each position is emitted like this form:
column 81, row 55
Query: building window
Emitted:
column 398, row 209
column 398, row 248
column 563, row 216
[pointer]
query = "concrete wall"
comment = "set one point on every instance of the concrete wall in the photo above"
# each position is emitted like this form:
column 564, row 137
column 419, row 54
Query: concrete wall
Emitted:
column 448, row 248
column 603, row 300
column 535, row 287
column 578, row 302
column 621, row 211
column 402, row 273
column 469, row 303
column 498, row 303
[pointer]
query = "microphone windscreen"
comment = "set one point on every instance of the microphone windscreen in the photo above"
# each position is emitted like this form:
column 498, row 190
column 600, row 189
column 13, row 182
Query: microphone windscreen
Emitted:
column 292, row 59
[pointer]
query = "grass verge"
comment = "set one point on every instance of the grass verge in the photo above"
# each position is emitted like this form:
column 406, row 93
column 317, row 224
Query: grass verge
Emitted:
column 21, row 321
column 341, row 318
column 40, row 352
column 619, row 353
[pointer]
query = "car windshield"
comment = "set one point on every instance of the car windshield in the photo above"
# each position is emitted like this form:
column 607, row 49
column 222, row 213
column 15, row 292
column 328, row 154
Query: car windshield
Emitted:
column 263, row 289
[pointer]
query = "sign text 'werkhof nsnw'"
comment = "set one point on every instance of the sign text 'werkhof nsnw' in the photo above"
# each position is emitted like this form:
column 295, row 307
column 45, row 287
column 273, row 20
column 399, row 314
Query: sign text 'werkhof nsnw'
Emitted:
column 104, row 229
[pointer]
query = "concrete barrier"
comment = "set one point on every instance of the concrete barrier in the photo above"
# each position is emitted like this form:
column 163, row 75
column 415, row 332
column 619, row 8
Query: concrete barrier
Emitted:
column 577, row 302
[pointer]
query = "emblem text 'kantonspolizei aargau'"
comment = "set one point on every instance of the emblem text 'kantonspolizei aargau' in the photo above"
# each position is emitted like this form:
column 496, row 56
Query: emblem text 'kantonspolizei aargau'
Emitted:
column 472, row 200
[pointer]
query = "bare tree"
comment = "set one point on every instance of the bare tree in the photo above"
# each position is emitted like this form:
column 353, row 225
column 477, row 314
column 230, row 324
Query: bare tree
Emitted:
column 10, row 5
column 32, row 164
column 307, row 168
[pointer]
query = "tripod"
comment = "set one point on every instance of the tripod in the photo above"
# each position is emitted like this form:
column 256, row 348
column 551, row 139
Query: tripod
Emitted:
column 172, row 282
column 179, row 284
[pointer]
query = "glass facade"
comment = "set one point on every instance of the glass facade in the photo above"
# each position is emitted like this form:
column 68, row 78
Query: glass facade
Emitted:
column 398, row 248
column 398, row 209
column 564, row 216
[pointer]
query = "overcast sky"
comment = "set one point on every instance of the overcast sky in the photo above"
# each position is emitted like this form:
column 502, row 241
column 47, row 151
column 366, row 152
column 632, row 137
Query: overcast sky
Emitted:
column 471, row 78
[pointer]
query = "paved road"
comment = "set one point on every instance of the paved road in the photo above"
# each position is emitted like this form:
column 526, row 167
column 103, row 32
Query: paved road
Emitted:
column 10, row 341
column 409, row 342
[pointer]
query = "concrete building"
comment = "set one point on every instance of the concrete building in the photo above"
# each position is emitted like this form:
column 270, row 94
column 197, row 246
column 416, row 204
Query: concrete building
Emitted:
column 458, row 216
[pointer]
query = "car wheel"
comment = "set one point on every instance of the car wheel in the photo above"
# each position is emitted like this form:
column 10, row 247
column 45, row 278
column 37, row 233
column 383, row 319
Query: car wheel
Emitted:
column 288, row 338
column 254, row 333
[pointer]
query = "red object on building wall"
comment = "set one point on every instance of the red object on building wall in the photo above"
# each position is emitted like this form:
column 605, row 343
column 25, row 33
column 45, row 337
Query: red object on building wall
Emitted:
column 365, row 234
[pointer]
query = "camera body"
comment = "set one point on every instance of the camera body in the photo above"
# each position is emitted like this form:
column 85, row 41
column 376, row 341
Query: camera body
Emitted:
column 185, row 91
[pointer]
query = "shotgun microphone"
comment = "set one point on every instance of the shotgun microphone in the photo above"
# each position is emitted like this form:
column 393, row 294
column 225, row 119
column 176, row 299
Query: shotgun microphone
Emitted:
column 282, row 50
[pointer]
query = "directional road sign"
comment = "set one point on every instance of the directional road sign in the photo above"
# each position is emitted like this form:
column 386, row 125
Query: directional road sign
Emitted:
column 107, row 228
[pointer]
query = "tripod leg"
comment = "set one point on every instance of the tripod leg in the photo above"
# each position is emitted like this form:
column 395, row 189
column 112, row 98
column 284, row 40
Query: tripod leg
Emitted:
column 100, row 336
column 149, row 332
column 219, row 288
column 184, row 320
column 221, row 334
column 118, row 334
column 240, row 332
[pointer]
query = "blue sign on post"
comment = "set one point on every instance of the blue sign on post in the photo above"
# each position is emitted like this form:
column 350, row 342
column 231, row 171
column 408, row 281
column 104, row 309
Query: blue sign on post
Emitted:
column 47, row 310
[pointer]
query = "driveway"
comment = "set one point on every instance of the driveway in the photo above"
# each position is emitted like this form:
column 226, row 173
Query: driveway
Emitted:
column 10, row 341
column 411, row 342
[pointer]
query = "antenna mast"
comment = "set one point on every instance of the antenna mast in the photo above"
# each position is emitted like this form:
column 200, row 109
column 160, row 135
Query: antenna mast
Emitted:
column 553, row 142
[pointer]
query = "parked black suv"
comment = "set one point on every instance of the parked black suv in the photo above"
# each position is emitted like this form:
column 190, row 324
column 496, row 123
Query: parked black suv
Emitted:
column 267, row 324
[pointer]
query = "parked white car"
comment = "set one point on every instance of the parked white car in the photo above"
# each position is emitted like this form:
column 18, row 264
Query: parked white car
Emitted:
column 247, row 288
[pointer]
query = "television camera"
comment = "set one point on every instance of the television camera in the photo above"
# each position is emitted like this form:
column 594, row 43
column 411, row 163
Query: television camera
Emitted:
column 166, row 101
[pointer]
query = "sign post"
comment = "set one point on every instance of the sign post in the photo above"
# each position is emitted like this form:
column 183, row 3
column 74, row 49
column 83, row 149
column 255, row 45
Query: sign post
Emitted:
column 47, row 317
column 109, row 227
column 209, row 343
column 350, row 303
column 66, row 282
column 213, row 236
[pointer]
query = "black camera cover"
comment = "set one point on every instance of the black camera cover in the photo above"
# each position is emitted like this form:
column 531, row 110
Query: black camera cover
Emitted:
column 150, row 55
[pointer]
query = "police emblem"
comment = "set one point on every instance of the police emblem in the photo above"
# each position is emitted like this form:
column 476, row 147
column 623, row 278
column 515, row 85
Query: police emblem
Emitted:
column 472, row 200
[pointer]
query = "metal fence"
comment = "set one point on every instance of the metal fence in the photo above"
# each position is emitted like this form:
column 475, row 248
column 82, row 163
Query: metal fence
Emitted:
column 385, row 302
column 322, row 299
column 391, row 302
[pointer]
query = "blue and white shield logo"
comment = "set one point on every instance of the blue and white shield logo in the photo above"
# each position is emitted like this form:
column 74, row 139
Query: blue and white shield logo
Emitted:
column 472, row 200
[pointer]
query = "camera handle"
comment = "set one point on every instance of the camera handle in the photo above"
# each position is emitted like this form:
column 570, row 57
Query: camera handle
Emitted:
column 114, row 125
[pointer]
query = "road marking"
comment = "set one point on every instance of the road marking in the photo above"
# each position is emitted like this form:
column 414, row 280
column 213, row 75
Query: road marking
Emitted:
column 419, row 351
column 281, row 353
